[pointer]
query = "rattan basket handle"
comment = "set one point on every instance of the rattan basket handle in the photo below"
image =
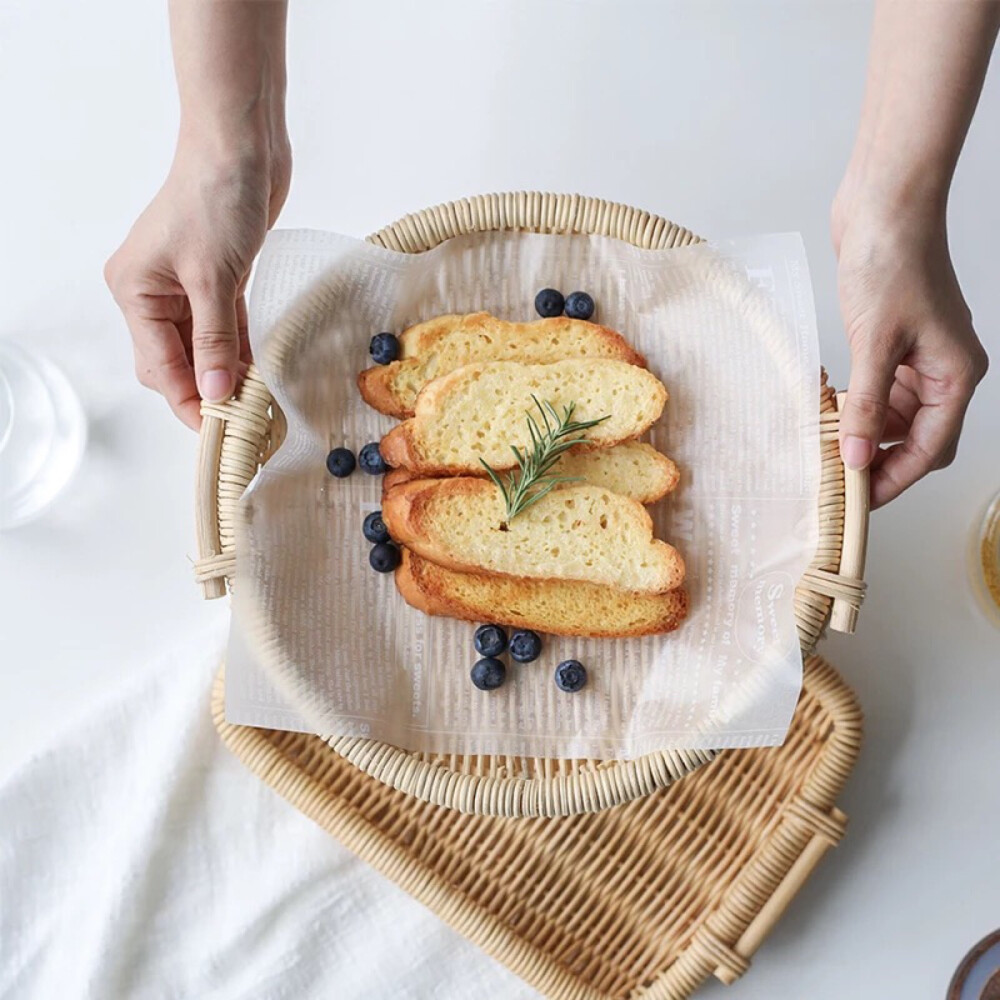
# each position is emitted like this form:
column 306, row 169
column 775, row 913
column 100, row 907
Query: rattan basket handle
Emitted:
column 208, row 572
column 236, row 438
column 844, row 613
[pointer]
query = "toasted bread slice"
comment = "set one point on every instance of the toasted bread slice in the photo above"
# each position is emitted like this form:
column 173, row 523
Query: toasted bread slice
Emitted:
column 478, row 412
column 439, row 346
column 633, row 469
column 559, row 607
column 581, row 532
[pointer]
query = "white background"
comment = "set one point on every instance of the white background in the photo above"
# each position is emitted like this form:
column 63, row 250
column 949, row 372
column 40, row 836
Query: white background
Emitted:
column 731, row 118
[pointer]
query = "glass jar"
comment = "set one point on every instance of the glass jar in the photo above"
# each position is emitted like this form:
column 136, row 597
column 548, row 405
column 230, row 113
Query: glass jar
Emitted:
column 984, row 560
column 43, row 433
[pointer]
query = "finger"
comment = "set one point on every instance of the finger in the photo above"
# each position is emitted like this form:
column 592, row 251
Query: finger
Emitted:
column 215, row 341
column 873, row 370
column 161, row 363
column 903, row 406
column 949, row 454
column 930, row 445
column 896, row 427
column 243, row 328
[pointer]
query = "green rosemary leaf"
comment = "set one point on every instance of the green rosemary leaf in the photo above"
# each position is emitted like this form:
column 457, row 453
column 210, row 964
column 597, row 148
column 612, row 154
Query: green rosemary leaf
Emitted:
column 533, row 430
column 545, row 414
column 492, row 473
column 550, row 410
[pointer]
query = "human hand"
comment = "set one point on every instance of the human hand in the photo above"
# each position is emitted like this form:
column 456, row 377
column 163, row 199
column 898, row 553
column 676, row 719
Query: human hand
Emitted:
column 915, row 357
column 180, row 275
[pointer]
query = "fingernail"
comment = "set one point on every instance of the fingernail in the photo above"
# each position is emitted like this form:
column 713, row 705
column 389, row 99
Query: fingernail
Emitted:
column 857, row 452
column 216, row 386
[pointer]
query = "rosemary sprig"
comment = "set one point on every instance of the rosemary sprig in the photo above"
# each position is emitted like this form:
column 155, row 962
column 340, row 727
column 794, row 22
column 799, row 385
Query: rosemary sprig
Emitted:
column 532, row 481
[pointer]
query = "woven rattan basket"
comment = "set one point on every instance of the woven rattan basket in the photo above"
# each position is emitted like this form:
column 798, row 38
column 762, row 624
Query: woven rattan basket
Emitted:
column 238, row 436
column 644, row 900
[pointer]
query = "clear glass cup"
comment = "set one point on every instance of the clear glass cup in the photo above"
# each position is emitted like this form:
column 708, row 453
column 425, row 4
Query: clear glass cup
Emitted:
column 984, row 560
column 43, row 433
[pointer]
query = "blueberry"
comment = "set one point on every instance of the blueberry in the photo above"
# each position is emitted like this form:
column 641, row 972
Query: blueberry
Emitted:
column 488, row 673
column 549, row 302
column 525, row 646
column 383, row 558
column 491, row 640
column 374, row 527
column 571, row 675
column 340, row 462
column 579, row 305
column 371, row 461
column 384, row 348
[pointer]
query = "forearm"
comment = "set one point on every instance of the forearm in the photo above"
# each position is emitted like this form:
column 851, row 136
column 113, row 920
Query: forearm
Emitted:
column 229, row 57
column 915, row 357
column 927, row 64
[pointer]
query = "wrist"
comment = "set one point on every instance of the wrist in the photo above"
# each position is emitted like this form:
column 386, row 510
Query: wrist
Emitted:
column 890, row 195
column 251, row 142
column 253, row 126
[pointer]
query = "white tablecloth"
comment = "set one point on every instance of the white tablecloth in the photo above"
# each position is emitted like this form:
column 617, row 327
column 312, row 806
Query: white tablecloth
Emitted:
column 140, row 859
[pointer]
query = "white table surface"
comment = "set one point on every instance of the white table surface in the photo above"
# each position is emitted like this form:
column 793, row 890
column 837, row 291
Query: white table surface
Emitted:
column 732, row 118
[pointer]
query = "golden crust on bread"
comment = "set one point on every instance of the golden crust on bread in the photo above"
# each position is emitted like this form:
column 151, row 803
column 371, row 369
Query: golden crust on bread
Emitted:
column 558, row 607
column 440, row 345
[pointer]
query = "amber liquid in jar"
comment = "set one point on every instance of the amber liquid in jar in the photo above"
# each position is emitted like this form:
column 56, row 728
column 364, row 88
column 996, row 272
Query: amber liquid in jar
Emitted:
column 985, row 559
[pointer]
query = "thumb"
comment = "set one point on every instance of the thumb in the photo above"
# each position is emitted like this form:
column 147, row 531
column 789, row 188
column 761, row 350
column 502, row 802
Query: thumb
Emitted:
column 215, row 339
column 873, row 371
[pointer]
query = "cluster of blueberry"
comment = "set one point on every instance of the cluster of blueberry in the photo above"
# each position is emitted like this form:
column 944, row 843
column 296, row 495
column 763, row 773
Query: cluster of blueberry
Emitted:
column 524, row 647
column 576, row 305
column 384, row 556
column 340, row 462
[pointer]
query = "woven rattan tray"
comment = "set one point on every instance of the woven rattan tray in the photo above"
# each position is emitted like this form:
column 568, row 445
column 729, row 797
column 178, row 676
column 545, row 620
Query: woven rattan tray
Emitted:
column 646, row 899
column 238, row 436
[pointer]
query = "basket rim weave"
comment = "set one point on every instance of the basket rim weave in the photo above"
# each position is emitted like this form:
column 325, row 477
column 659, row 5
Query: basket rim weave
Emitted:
column 239, row 435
